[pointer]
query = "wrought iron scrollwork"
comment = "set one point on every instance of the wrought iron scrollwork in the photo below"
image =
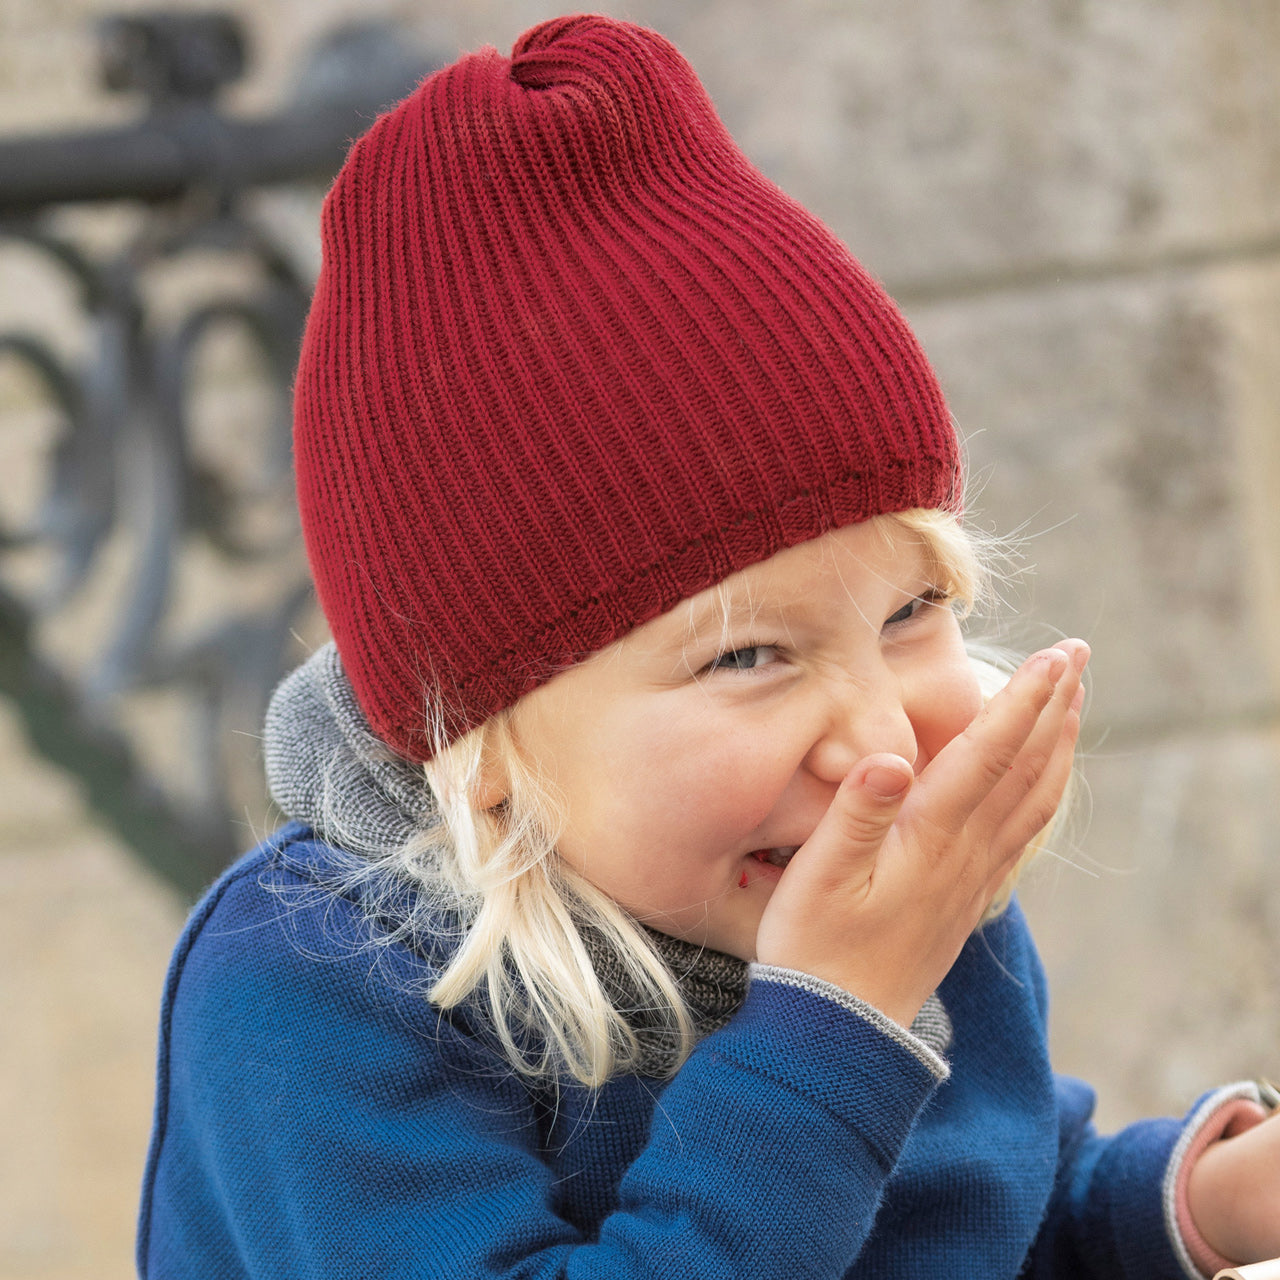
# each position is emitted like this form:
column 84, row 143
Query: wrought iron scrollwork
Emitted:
column 134, row 491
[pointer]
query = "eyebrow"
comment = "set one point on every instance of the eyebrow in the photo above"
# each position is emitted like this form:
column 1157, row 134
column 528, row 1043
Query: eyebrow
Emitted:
column 716, row 614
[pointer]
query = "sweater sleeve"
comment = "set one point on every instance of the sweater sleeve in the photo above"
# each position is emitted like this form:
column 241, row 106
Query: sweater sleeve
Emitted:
column 1115, row 1214
column 1106, row 1219
column 318, row 1119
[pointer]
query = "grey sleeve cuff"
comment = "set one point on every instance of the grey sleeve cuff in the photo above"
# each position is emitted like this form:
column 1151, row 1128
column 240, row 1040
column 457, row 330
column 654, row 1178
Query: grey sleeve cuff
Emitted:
column 914, row 1045
column 1246, row 1089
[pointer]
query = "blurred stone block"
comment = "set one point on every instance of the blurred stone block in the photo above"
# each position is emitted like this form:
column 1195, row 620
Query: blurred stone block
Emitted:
column 1129, row 427
column 1161, row 922
column 954, row 138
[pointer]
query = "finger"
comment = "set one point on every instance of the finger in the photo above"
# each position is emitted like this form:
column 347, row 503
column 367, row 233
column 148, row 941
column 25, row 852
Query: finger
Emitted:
column 975, row 762
column 860, row 816
column 1038, row 801
column 1044, row 759
column 1053, row 737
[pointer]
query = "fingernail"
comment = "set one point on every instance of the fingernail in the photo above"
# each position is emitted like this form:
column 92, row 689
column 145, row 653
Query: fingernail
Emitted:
column 888, row 784
column 1081, row 657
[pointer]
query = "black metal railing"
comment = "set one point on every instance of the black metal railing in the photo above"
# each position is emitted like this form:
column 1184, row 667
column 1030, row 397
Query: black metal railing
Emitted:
column 101, row 609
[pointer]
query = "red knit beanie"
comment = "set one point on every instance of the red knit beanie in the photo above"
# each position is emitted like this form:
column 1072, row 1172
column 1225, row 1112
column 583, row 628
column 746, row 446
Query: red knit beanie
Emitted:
column 572, row 359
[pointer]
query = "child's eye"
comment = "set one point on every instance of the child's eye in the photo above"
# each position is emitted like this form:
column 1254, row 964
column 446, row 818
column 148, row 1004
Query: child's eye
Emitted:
column 935, row 595
column 756, row 655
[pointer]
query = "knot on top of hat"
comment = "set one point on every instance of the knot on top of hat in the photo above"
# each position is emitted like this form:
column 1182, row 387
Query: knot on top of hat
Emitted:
column 617, row 96
column 538, row 57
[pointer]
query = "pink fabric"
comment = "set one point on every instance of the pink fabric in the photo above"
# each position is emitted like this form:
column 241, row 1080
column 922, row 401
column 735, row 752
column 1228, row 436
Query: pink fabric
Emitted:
column 1232, row 1118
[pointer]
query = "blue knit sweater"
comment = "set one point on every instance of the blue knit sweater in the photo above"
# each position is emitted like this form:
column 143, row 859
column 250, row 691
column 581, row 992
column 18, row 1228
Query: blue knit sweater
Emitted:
column 317, row 1119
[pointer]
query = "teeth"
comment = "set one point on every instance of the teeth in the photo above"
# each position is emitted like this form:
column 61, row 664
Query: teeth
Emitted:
column 778, row 857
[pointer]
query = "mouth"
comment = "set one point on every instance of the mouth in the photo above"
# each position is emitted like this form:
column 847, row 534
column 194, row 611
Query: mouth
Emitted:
column 777, row 857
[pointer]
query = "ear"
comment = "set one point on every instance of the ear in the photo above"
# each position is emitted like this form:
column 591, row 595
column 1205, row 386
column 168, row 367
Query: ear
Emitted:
column 492, row 783
column 489, row 791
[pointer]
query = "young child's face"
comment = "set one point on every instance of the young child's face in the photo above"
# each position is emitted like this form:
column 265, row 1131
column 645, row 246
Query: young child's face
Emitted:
column 698, row 752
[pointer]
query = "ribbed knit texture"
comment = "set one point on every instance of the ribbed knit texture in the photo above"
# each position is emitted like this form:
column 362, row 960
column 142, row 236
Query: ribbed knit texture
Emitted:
column 572, row 359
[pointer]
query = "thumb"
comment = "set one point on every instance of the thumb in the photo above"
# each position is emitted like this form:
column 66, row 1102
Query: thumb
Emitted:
column 862, row 812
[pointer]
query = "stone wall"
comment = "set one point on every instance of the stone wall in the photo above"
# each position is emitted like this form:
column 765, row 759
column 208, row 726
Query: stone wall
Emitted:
column 1076, row 201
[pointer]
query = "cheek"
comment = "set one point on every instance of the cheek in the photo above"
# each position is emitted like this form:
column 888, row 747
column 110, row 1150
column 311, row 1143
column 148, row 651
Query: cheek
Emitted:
column 967, row 703
column 947, row 702
column 681, row 799
column 704, row 787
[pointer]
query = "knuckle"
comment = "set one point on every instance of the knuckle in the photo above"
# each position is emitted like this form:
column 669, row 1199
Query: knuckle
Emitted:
column 995, row 756
column 1045, row 812
column 940, row 837
column 1041, row 813
column 1029, row 769
column 857, row 826
column 995, row 768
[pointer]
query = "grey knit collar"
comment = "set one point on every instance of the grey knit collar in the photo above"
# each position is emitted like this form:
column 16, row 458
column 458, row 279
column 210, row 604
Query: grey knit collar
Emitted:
column 328, row 771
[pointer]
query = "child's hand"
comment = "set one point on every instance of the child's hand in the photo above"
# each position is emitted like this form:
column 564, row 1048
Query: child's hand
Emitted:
column 1233, row 1194
column 881, row 898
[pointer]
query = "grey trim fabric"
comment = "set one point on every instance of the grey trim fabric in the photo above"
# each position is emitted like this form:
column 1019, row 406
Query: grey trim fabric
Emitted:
column 914, row 1040
column 1169, row 1192
column 933, row 1025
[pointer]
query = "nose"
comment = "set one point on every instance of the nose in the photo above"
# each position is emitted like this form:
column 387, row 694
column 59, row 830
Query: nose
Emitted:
column 860, row 717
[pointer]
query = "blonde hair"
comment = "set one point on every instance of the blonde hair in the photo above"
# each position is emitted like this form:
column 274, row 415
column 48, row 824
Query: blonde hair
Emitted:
column 524, row 913
column 524, row 953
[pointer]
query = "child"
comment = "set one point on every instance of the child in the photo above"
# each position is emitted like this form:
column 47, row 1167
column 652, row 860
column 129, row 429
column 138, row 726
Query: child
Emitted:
column 645, row 907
